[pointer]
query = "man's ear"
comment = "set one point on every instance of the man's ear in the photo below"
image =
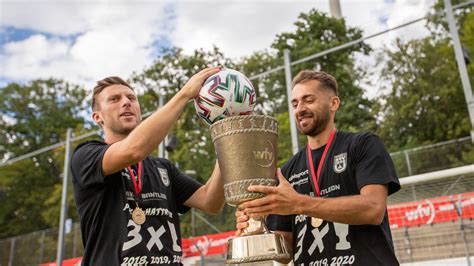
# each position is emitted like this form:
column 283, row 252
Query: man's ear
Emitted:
column 97, row 118
column 335, row 102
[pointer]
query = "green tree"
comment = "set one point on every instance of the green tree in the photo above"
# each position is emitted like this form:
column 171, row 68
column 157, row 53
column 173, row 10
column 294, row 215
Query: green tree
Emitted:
column 33, row 116
column 437, row 22
column 423, row 100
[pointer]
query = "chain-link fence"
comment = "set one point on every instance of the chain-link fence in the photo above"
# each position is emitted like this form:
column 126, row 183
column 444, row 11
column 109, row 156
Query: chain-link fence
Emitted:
column 40, row 247
column 434, row 157
column 435, row 242
column 438, row 225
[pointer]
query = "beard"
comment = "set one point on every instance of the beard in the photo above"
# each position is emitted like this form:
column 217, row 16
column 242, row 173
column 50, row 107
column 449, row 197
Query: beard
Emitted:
column 119, row 129
column 318, row 123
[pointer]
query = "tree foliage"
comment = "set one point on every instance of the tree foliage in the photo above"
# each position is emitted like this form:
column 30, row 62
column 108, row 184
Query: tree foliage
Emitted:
column 423, row 100
column 438, row 24
column 33, row 116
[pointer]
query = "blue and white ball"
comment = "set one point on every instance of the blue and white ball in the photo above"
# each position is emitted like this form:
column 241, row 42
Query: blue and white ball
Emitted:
column 224, row 94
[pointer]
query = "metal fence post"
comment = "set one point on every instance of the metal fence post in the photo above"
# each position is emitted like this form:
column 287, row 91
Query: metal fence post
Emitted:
column 458, row 208
column 466, row 84
column 408, row 243
column 288, row 78
column 12, row 252
column 162, row 146
column 62, row 218
column 43, row 235
column 407, row 160
column 193, row 223
column 201, row 255
column 74, row 240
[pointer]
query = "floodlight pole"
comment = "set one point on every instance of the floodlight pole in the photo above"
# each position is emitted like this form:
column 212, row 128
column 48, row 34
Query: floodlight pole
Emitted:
column 62, row 218
column 461, row 63
column 162, row 151
column 288, row 78
column 335, row 8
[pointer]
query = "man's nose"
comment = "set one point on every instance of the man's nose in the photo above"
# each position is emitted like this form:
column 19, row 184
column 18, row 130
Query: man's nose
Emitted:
column 126, row 101
column 299, row 108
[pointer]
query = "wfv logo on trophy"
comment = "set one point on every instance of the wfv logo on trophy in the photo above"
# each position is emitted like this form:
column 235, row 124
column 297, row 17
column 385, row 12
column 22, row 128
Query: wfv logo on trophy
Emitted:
column 264, row 157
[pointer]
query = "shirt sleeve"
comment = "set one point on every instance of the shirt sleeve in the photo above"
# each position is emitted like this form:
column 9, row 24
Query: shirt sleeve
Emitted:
column 279, row 222
column 86, row 163
column 374, row 164
column 183, row 186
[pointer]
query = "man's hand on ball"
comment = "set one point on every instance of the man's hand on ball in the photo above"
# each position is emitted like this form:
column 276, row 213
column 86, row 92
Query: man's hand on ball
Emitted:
column 191, row 89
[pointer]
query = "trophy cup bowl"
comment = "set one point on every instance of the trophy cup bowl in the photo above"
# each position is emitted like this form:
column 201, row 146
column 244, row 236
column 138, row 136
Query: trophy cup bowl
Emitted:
column 246, row 150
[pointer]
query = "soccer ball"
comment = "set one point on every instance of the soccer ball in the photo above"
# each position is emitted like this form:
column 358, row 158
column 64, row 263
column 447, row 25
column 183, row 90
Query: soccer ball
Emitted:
column 224, row 94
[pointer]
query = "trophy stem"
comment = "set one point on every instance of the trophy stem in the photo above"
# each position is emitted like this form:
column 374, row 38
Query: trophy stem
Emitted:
column 256, row 226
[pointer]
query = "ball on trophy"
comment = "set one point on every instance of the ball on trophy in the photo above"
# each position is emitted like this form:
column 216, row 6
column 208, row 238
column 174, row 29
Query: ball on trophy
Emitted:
column 224, row 94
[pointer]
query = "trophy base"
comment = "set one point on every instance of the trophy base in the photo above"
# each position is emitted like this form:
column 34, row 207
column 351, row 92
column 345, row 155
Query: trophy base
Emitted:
column 262, row 247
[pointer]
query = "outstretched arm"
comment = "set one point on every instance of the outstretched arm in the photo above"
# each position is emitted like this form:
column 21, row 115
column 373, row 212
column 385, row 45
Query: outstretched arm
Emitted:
column 210, row 197
column 367, row 208
column 151, row 132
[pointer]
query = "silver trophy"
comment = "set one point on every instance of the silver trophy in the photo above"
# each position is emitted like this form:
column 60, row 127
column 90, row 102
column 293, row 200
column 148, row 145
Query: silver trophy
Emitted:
column 246, row 148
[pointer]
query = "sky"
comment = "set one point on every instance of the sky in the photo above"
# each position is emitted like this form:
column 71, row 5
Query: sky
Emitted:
column 84, row 41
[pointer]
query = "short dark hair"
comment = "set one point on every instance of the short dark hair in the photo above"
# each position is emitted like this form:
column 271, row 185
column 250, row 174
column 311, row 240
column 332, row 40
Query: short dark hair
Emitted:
column 104, row 83
column 324, row 78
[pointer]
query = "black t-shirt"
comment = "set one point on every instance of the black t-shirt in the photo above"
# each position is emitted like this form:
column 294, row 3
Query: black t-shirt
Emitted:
column 353, row 161
column 105, row 204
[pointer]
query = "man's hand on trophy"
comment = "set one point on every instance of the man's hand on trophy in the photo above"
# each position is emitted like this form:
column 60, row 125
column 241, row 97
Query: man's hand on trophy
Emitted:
column 282, row 199
column 241, row 220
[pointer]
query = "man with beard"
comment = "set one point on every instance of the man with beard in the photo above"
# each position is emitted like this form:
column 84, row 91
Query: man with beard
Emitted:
column 331, row 201
column 128, row 202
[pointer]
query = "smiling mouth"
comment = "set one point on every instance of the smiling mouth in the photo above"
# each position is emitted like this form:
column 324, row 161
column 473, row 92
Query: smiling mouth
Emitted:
column 127, row 115
column 304, row 118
